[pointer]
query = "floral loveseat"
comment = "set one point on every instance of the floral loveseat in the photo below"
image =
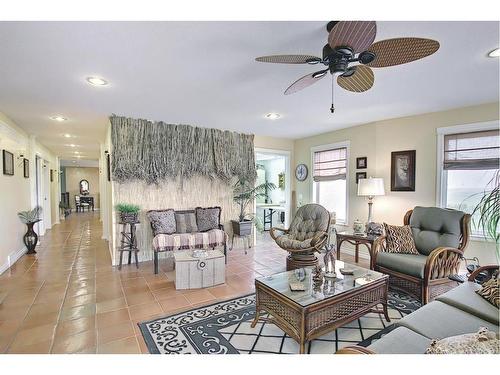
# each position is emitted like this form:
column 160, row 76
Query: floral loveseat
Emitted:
column 186, row 229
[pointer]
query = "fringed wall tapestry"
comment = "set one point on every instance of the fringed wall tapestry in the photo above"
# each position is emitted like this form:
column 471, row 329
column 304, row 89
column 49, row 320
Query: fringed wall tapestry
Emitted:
column 154, row 151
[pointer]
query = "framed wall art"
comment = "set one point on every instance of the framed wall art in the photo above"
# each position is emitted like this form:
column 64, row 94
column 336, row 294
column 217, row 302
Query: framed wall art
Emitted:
column 26, row 168
column 362, row 162
column 403, row 170
column 360, row 175
column 8, row 162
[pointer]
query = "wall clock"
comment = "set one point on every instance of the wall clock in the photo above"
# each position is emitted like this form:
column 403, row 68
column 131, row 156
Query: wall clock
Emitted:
column 301, row 172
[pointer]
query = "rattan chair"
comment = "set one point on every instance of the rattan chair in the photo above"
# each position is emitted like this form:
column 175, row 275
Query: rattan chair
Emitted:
column 306, row 236
column 441, row 236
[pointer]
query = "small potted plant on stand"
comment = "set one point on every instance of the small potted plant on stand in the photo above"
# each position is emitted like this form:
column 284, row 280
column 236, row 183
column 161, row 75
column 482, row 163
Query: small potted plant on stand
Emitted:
column 244, row 193
column 30, row 218
column 129, row 213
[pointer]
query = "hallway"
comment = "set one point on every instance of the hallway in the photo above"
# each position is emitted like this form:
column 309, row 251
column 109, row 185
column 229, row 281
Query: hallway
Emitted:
column 69, row 299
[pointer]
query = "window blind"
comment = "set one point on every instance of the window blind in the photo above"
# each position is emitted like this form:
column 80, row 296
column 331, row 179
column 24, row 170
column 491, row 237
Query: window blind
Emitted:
column 330, row 165
column 469, row 151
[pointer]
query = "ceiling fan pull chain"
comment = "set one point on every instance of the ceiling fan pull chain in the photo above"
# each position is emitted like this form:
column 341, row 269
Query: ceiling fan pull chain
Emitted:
column 332, row 108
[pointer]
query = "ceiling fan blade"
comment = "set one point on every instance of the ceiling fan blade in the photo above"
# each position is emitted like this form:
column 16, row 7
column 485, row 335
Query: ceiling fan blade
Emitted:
column 305, row 81
column 360, row 81
column 289, row 59
column 359, row 35
column 399, row 51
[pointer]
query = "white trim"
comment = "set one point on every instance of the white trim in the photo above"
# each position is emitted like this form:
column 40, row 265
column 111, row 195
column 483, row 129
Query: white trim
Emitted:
column 12, row 258
column 441, row 177
column 347, row 145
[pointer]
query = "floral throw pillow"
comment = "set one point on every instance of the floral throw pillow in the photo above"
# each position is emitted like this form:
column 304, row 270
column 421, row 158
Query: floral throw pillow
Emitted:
column 489, row 291
column 482, row 342
column 399, row 239
column 162, row 221
column 207, row 218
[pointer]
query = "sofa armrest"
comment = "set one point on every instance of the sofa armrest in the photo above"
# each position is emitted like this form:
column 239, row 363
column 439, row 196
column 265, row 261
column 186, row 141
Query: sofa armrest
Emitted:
column 221, row 227
column 442, row 262
column 488, row 268
column 319, row 239
column 377, row 246
column 275, row 229
column 354, row 350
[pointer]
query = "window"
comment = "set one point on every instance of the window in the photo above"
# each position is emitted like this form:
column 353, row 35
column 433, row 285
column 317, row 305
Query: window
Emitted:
column 469, row 163
column 330, row 178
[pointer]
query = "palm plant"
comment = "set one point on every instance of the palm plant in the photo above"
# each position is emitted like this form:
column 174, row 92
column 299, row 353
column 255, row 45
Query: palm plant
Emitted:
column 488, row 210
column 245, row 192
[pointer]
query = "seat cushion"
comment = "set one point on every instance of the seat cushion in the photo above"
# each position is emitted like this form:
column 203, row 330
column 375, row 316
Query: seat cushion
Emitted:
column 287, row 242
column 162, row 221
column 183, row 241
column 185, row 222
column 401, row 341
column 399, row 239
column 408, row 264
column 438, row 320
column 309, row 219
column 433, row 227
column 207, row 218
column 465, row 298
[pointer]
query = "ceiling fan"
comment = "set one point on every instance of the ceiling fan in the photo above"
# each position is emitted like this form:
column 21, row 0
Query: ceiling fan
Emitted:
column 351, row 42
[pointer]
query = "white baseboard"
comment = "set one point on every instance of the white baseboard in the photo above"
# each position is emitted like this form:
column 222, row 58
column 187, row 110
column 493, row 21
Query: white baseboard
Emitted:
column 12, row 258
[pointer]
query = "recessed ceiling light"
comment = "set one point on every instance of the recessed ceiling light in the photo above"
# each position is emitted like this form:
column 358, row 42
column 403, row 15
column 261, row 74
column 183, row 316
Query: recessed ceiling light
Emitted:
column 77, row 152
column 58, row 118
column 273, row 116
column 67, row 135
column 72, row 145
column 494, row 53
column 74, row 161
column 97, row 81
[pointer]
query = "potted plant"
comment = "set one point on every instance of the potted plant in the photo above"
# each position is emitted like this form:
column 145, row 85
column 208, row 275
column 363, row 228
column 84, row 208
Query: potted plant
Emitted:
column 30, row 218
column 488, row 211
column 128, row 212
column 244, row 193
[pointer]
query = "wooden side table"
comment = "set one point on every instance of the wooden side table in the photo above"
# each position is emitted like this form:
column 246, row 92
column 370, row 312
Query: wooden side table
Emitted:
column 129, row 244
column 356, row 240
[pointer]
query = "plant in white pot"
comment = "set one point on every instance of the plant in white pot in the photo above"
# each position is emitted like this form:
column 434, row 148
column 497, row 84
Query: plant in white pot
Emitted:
column 244, row 194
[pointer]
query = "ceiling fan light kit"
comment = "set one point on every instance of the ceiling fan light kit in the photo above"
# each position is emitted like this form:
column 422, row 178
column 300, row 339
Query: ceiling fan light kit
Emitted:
column 351, row 53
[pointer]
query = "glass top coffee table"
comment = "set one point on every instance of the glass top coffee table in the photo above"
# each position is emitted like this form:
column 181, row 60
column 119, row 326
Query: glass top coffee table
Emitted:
column 305, row 315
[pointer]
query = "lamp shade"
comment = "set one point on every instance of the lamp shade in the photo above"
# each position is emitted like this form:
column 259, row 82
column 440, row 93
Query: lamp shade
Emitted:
column 370, row 187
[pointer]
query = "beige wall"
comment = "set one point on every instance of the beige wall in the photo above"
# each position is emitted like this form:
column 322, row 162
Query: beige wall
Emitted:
column 376, row 141
column 73, row 177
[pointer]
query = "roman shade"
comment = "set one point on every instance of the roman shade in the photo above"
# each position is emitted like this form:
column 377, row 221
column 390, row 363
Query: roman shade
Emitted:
column 469, row 151
column 330, row 165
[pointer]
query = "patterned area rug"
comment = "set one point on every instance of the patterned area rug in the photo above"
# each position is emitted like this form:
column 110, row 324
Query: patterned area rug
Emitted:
column 224, row 328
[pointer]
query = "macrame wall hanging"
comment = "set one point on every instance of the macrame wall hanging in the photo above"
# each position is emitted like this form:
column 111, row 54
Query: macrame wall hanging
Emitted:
column 154, row 151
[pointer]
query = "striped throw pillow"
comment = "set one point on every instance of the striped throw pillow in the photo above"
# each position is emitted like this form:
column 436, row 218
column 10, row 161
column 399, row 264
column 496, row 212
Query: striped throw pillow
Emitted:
column 399, row 239
column 186, row 222
column 489, row 291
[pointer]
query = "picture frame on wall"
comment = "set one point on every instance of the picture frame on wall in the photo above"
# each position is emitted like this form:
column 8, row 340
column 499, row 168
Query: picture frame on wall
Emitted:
column 403, row 170
column 108, row 166
column 362, row 162
column 26, row 168
column 360, row 175
column 8, row 163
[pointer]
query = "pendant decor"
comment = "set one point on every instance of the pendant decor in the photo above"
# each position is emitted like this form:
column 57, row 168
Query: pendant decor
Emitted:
column 154, row 151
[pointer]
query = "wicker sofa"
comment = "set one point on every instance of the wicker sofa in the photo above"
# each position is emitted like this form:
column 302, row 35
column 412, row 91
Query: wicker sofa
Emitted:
column 458, row 311
column 193, row 238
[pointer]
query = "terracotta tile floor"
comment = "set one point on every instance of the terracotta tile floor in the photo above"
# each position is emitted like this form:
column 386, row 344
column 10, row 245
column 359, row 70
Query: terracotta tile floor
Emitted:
column 69, row 299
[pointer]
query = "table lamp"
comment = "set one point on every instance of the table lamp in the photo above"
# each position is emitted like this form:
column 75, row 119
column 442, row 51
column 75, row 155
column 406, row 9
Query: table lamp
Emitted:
column 370, row 187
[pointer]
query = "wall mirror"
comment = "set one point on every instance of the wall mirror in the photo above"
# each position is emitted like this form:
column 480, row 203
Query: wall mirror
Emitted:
column 84, row 187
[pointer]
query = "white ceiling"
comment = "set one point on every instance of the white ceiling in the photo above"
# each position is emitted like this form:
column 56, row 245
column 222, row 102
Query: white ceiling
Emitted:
column 204, row 74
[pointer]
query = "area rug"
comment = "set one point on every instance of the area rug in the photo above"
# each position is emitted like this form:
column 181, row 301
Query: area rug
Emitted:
column 224, row 328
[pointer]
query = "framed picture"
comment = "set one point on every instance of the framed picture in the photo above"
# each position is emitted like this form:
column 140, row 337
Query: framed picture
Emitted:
column 108, row 166
column 51, row 175
column 26, row 168
column 361, row 163
column 403, row 170
column 8, row 163
column 360, row 175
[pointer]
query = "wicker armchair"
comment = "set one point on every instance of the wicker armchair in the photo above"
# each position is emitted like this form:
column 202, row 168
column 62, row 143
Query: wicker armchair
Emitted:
column 306, row 236
column 441, row 236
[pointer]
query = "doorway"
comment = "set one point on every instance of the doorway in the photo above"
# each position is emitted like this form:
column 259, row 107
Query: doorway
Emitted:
column 273, row 210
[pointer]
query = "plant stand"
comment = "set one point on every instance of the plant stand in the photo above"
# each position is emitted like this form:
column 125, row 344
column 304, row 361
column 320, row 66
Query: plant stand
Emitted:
column 129, row 243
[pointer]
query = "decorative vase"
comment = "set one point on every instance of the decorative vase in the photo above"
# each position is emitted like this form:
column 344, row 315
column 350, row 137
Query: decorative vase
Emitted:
column 358, row 227
column 30, row 239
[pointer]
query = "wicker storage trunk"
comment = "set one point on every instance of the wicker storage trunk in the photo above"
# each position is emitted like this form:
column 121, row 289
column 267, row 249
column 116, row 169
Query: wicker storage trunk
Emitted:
column 192, row 273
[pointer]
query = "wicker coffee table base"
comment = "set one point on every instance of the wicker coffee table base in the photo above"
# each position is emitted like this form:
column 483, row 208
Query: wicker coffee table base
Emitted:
column 304, row 324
